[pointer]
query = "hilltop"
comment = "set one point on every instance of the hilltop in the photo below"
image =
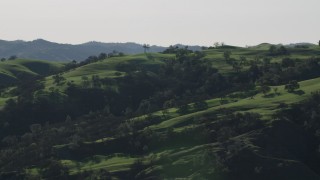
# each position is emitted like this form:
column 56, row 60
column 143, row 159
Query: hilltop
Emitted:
column 12, row 71
column 42, row 49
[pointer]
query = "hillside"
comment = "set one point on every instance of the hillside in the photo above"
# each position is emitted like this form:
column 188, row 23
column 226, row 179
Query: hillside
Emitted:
column 42, row 49
column 19, row 70
column 13, row 70
column 225, row 113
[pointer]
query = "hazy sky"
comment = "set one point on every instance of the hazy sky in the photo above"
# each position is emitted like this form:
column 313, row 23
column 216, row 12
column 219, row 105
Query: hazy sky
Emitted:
column 162, row 22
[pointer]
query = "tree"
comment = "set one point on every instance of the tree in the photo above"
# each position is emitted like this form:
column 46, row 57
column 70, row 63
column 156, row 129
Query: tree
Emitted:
column 146, row 47
column 184, row 109
column 236, row 66
column 96, row 83
column 292, row 86
column 223, row 100
column 243, row 60
column 165, row 113
column 287, row 62
column 68, row 119
column 272, row 50
column 227, row 55
column 275, row 90
column 10, row 140
column 128, row 112
column 265, row 89
column 35, row 128
column 13, row 57
column 169, row 104
column 102, row 56
column 145, row 107
column 319, row 43
column 266, row 61
column 201, row 105
column 55, row 169
column 85, row 82
column 58, row 79
column 27, row 138
column 3, row 59
column 282, row 50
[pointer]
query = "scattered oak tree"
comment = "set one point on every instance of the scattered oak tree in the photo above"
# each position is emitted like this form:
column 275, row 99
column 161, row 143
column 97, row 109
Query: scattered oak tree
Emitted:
column 146, row 47
column 292, row 86
column 227, row 55
column 184, row 109
column 13, row 57
column 58, row 79
column 265, row 89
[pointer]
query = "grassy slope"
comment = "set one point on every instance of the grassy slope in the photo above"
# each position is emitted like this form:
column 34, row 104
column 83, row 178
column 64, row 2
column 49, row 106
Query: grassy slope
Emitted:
column 264, row 105
column 11, row 71
column 111, row 163
column 107, row 68
column 183, row 155
column 2, row 101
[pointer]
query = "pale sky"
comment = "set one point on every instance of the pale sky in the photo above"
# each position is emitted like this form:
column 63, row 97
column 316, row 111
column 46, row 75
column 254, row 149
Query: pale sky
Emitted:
column 162, row 22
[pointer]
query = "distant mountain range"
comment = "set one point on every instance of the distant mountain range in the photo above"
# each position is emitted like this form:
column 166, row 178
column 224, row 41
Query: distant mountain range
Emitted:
column 42, row 49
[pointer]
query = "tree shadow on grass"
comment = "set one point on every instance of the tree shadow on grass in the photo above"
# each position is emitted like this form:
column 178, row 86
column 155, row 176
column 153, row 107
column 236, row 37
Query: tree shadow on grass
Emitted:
column 299, row 92
column 271, row 95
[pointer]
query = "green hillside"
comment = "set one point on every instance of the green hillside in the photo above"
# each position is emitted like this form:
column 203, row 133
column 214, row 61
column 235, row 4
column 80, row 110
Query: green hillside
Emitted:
column 13, row 70
column 265, row 105
column 116, row 66
column 182, row 124
column 223, row 113
column 111, row 67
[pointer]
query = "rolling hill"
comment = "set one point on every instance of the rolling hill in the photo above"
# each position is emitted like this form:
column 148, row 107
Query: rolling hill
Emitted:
column 42, row 49
column 14, row 70
column 217, row 122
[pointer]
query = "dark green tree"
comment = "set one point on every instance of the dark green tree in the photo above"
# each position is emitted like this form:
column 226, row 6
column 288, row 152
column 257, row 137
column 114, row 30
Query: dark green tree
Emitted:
column 58, row 79
column 184, row 109
column 85, row 82
column 146, row 47
column 13, row 57
column 266, row 61
column 216, row 44
column 165, row 113
column 227, row 55
column 272, row 50
column 265, row 89
column 35, row 128
column 144, row 107
column 200, row 105
column 236, row 67
column 102, row 56
column 275, row 90
column 243, row 60
column 287, row 62
column 96, row 83
column 283, row 51
column 292, row 86
column 54, row 170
